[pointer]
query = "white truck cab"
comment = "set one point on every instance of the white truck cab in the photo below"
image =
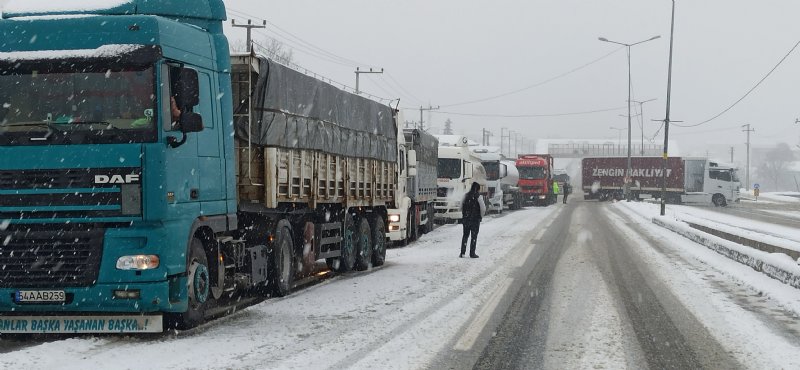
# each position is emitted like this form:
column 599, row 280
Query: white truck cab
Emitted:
column 458, row 168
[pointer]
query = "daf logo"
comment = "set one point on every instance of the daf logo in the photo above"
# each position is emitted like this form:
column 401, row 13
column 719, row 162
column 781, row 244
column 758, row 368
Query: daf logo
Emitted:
column 116, row 179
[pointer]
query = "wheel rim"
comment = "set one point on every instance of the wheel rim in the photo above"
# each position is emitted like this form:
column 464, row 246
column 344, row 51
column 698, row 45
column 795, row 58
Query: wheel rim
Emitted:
column 200, row 282
column 347, row 247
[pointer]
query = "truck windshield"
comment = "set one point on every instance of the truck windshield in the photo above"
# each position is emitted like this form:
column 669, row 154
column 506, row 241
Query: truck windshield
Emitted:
column 44, row 103
column 492, row 170
column 532, row 173
column 449, row 168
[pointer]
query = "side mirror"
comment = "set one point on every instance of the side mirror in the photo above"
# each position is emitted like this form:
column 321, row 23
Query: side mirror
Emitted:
column 191, row 122
column 412, row 158
column 187, row 89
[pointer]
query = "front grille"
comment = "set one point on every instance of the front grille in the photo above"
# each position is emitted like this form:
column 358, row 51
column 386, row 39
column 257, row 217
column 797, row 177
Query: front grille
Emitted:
column 70, row 193
column 50, row 256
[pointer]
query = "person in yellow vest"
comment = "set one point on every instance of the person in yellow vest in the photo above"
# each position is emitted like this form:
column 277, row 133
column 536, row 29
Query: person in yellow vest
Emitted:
column 556, row 190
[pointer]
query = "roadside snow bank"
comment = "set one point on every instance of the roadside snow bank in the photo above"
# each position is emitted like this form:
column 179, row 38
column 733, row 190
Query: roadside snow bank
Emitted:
column 775, row 265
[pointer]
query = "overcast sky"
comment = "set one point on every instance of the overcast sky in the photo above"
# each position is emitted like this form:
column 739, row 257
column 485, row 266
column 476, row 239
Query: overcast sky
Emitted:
column 446, row 52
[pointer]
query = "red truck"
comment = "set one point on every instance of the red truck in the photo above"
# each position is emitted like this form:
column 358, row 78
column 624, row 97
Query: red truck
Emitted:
column 536, row 178
column 691, row 180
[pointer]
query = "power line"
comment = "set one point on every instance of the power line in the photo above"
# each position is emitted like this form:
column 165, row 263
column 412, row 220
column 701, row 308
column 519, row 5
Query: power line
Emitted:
column 344, row 87
column 748, row 92
column 489, row 115
column 286, row 34
column 534, row 85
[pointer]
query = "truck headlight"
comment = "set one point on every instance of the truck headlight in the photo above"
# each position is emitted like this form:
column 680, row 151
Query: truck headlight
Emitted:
column 394, row 218
column 138, row 262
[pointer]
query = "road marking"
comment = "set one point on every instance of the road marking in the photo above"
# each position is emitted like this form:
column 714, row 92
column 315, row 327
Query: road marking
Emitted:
column 467, row 340
column 525, row 255
column 540, row 234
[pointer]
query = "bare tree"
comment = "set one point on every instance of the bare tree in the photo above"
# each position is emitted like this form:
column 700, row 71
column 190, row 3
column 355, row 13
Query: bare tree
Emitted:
column 776, row 163
column 448, row 127
column 275, row 49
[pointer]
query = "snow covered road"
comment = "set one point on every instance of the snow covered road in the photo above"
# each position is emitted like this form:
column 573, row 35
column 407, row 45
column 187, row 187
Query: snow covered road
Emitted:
column 396, row 316
column 587, row 285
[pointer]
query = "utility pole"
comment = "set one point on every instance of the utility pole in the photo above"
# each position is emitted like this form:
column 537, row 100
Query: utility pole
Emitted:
column 485, row 137
column 249, row 26
column 421, row 110
column 359, row 72
column 732, row 155
column 503, row 141
column 748, row 131
column 665, row 154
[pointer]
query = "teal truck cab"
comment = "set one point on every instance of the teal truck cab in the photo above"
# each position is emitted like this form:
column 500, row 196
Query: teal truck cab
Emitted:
column 119, row 191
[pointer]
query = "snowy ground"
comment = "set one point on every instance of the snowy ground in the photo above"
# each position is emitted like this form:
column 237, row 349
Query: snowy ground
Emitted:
column 396, row 316
column 753, row 316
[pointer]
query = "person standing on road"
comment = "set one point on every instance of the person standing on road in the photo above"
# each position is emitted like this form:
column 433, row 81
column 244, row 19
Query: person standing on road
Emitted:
column 555, row 191
column 472, row 210
column 566, row 190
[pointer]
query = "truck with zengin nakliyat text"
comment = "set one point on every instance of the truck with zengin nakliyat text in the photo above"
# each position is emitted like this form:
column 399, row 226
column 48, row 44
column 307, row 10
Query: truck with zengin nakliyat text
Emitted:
column 688, row 180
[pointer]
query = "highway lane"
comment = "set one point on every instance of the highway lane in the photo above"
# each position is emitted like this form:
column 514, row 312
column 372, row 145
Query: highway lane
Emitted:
column 588, row 301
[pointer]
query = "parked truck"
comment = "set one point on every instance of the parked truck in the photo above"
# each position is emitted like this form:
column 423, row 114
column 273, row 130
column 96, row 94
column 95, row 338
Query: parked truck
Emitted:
column 458, row 167
column 536, row 178
column 689, row 180
column 416, row 192
column 502, row 180
column 142, row 188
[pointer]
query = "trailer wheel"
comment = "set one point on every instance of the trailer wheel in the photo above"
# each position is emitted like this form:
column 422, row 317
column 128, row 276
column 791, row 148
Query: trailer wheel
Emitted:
column 347, row 258
column 379, row 241
column 282, row 260
column 198, row 286
column 412, row 223
column 363, row 244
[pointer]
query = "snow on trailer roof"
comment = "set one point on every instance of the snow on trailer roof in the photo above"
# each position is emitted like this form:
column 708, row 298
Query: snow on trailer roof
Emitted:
column 198, row 9
column 61, row 6
column 105, row 51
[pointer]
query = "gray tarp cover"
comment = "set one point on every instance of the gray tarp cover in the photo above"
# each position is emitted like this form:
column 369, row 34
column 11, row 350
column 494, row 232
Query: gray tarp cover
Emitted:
column 426, row 145
column 296, row 111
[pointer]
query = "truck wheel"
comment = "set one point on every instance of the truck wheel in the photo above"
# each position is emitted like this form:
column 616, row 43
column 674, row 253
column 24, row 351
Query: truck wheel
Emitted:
column 379, row 241
column 347, row 259
column 431, row 219
column 282, row 260
column 198, row 286
column 363, row 243
column 719, row 200
column 412, row 223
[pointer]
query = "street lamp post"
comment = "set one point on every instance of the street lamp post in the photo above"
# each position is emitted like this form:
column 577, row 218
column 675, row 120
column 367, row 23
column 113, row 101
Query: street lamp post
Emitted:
column 666, row 119
column 628, row 47
column 619, row 134
column 641, row 119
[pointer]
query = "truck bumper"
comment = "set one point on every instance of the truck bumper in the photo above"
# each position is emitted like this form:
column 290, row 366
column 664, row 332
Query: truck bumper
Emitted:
column 152, row 297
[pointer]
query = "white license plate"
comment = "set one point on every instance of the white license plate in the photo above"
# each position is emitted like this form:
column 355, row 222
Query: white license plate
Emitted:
column 40, row 296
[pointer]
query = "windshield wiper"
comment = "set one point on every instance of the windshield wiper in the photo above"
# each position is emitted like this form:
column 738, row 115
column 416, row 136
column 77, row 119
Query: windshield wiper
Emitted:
column 106, row 123
column 50, row 126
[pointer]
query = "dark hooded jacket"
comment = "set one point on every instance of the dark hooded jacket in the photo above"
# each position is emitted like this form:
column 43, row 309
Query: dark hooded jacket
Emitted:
column 473, row 207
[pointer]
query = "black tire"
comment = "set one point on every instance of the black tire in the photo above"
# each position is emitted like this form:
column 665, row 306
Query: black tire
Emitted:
column 347, row 258
column 282, row 260
column 378, row 227
column 199, row 287
column 363, row 244
column 719, row 200
column 412, row 223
